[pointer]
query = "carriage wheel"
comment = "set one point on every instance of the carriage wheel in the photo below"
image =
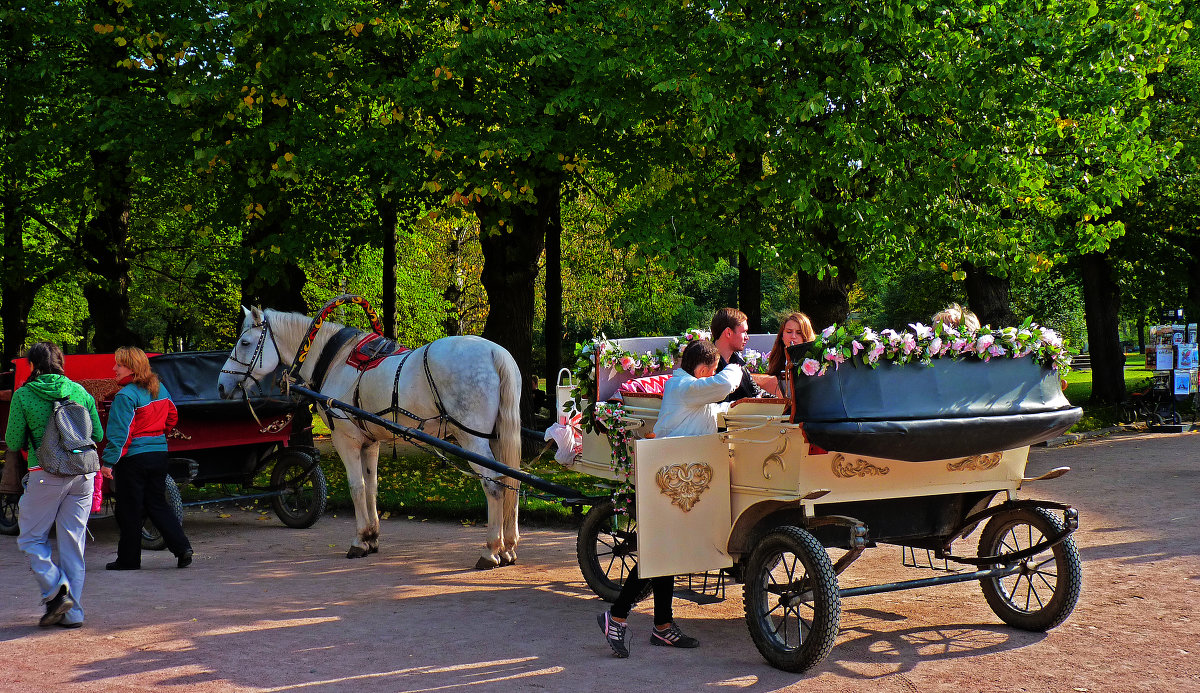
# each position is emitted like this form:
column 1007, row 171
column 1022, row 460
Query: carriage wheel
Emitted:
column 607, row 550
column 304, row 491
column 152, row 539
column 793, row 608
column 1044, row 593
column 8, row 514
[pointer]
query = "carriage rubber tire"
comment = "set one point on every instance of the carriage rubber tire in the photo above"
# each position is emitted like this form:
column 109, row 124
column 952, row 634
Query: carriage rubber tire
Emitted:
column 598, row 522
column 1068, row 571
column 826, row 602
column 152, row 539
column 287, row 470
column 9, row 525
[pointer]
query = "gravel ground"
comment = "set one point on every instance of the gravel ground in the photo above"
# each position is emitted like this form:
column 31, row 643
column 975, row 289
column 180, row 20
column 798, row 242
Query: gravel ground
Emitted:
column 266, row 608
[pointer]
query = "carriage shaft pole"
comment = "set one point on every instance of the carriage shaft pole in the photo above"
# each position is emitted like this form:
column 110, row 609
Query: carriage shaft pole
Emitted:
column 930, row 582
column 564, row 492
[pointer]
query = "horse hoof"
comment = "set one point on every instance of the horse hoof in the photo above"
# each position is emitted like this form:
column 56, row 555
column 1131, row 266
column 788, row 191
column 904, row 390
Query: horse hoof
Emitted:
column 356, row 552
column 507, row 561
column 485, row 564
column 373, row 549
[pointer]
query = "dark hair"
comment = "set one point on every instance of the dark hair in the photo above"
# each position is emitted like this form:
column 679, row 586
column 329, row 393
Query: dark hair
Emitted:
column 699, row 353
column 726, row 319
column 45, row 358
column 777, row 362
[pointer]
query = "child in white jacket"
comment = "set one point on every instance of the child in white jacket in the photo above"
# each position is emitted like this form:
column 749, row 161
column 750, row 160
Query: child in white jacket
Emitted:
column 691, row 403
column 692, row 397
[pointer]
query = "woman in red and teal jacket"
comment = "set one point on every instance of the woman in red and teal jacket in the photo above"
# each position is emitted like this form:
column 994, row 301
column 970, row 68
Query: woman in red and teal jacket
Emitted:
column 135, row 455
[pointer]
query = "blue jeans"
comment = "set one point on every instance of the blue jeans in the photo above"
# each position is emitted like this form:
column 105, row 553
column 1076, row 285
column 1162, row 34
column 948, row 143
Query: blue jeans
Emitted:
column 62, row 502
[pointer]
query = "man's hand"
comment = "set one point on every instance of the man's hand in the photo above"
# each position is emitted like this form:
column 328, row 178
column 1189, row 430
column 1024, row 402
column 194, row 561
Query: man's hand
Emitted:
column 106, row 471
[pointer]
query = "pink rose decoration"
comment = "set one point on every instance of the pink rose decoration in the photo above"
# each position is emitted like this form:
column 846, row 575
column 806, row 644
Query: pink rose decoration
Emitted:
column 907, row 343
column 984, row 342
column 855, row 347
column 828, row 331
column 626, row 362
column 810, row 367
column 935, row 346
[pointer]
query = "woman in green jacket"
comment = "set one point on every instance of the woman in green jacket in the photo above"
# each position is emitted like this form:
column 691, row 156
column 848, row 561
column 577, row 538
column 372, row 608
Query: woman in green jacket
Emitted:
column 61, row 502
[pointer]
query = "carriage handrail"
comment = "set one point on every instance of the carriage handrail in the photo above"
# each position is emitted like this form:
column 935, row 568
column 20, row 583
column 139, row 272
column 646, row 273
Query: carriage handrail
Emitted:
column 566, row 493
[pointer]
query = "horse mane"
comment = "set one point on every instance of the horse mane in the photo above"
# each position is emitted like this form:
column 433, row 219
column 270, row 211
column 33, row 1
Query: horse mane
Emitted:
column 290, row 329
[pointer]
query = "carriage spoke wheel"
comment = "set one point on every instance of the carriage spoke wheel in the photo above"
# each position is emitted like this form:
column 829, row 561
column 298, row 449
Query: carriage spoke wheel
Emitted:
column 304, row 492
column 607, row 550
column 793, row 609
column 1044, row 592
column 8, row 514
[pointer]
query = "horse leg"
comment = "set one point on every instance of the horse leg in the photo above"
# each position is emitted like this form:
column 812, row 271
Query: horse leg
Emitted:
column 370, row 463
column 349, row 448
column 494, row 494
column 510, row 535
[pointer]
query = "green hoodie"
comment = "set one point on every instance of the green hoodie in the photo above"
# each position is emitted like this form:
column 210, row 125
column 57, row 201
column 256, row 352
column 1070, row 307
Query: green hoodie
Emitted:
column 32, row 405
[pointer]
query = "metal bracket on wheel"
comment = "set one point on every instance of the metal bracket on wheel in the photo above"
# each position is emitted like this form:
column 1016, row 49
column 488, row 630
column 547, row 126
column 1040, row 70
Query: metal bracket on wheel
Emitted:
column 1070, row 519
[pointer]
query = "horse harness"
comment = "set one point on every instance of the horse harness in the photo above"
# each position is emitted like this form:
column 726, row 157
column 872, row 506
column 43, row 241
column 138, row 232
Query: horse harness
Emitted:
column 377, row 354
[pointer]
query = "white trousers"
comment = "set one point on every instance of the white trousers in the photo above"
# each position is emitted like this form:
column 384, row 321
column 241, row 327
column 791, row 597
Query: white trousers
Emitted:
column 64, row 503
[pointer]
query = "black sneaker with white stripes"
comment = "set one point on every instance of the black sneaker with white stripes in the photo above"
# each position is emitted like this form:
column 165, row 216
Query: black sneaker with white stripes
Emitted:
column 672, row 637
column 614, row 632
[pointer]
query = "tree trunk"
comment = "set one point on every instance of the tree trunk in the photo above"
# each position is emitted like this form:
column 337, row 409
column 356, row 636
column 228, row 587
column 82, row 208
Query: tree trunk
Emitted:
column 987, row 297
column 510, row 267
column 391, row 238
column 826, row 300
column 1102, row 303
column 14, row 309
column 552, row 330
column 750, row 293
column 105, row 242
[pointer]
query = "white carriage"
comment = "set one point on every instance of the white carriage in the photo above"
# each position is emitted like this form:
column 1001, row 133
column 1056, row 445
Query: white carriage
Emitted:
column 911, row 455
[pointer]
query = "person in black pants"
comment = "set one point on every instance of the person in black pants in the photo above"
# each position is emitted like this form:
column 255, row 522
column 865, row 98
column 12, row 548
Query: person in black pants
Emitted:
column 690, row 406
column 136, row 458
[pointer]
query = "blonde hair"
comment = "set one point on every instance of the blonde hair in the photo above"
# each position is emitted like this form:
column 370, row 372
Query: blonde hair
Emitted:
column 955, row 315
column 135, row 360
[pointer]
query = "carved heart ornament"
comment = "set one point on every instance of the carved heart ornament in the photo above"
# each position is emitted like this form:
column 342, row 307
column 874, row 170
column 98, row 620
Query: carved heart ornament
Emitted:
column 683, row 483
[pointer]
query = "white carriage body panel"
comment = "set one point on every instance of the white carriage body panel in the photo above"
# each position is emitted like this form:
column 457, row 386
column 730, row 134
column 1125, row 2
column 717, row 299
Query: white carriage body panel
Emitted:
column 682, row 505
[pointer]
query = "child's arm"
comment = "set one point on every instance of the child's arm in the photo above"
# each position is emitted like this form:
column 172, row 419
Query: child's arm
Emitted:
column 713, row 388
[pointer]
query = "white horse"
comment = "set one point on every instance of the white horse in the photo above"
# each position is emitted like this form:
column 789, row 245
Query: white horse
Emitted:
column 466, row 387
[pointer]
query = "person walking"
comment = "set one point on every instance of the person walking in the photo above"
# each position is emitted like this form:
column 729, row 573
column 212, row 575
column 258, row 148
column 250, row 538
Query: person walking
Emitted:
column 51, row 500
column 135, row 457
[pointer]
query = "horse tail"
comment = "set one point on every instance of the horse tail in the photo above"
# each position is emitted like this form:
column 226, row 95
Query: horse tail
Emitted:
column 508, row 422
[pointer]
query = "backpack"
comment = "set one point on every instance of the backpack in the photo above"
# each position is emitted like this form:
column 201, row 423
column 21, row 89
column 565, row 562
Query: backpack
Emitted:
column 67, row 447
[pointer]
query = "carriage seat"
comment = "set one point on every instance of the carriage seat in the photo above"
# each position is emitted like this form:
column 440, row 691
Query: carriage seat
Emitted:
column 649, row 384
column 371, row 350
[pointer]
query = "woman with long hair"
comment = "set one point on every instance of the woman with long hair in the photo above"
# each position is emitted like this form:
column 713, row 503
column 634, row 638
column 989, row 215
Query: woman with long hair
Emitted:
column 51, row 500
column 796, row 328
column 141, row 415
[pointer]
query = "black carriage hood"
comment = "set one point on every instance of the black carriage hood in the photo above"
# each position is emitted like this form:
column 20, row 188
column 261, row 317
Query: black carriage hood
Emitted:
column 953, row 408
column 191, row 379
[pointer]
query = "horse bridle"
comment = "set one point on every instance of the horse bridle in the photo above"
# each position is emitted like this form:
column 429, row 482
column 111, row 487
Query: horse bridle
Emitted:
column 255, row 358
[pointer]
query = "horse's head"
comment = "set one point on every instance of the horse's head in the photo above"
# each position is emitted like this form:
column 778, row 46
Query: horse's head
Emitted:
column 254, row 357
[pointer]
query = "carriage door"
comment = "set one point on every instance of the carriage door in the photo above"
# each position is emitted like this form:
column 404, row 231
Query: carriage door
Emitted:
column 682, row 505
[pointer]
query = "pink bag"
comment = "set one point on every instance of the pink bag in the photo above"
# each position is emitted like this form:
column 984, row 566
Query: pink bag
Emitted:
column 97, row 493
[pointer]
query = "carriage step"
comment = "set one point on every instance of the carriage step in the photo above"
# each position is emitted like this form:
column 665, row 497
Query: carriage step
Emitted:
column 909, row 558
column 702, row 588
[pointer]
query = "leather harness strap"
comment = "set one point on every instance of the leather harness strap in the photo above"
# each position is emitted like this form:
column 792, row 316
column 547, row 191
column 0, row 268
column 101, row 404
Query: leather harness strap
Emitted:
column 325, row 360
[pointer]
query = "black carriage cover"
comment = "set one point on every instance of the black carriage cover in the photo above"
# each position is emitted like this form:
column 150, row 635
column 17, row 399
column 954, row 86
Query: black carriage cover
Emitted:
column 954, row 408
column 191, row 378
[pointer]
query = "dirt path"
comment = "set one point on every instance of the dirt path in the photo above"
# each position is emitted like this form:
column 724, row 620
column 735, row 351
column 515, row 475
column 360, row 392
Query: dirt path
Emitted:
column 266, row 608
